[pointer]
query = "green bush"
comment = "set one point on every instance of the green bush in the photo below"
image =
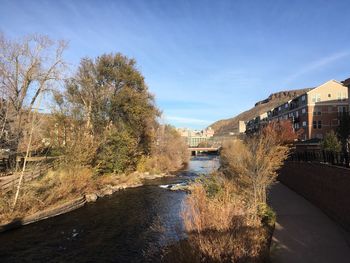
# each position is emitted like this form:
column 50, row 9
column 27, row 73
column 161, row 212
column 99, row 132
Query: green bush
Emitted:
column 117, row 154
column 267, row 215
column 331, row 142
column 212, row 185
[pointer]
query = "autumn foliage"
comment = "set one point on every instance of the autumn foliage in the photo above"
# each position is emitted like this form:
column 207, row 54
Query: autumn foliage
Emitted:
column 226, row 216
column 282, row 131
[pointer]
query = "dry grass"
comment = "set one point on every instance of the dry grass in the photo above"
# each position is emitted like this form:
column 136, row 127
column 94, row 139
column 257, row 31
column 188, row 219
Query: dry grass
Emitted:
column 52, row 189
column 219, row 226
column 121, row 179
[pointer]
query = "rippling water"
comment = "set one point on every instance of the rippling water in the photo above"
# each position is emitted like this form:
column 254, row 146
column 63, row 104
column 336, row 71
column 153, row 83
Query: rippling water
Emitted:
column 125, row 227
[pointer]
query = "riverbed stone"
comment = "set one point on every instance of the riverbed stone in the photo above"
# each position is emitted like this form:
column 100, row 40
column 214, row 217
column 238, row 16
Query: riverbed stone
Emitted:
column 107, row 191
column 115, row 188
column 91, row 197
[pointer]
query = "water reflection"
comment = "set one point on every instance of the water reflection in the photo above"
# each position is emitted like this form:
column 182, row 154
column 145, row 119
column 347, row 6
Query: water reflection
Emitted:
column 203, row 164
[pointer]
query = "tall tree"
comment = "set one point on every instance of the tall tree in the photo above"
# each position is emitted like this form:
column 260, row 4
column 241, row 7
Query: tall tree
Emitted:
column 109, row 95
column 28, row 67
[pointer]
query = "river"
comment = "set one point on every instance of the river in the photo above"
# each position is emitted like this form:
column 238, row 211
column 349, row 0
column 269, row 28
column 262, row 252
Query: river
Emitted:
column 129, row 226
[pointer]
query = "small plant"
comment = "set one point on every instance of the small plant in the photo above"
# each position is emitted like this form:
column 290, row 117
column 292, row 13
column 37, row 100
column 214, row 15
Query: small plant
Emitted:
column 331, row 142
column 212, row 184
column 267, row 215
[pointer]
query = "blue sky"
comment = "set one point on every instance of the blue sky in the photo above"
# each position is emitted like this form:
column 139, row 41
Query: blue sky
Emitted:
column 203, row 60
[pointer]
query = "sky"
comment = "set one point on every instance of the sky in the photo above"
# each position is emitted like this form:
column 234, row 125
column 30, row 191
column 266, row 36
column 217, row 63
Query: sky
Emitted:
column 203, row 60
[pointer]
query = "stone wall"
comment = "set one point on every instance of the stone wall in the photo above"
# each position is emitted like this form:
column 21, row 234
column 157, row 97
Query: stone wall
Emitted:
column 326, row 186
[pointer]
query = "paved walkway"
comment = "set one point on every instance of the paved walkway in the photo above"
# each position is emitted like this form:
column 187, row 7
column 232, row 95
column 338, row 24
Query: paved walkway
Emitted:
column 303, row 233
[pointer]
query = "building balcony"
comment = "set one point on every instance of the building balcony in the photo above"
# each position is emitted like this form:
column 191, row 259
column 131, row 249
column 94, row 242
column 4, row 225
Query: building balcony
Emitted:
column 296, row 119
column 293, row 106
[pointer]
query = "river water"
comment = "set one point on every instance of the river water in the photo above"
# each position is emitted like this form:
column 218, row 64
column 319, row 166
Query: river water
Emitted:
column 128, row 226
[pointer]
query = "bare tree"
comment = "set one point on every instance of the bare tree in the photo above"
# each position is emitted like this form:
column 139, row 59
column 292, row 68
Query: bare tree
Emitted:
column 253, row 164
column 28, row 67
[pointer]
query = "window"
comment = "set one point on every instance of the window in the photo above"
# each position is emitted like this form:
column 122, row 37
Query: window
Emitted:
column 314, row 124
column 316, row 98
column 297, row 114
column 341, row 96
column 304, row 123
column 279, row 108
column 317, row 111
column 341, row 109
column 303, row 98
column 303, row 111
column 329, row 95
column 319, row 125
column 330, row 109
column 286, row 105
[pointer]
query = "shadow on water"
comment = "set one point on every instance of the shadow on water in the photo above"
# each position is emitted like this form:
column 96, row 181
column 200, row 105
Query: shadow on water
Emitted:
column 119, row 228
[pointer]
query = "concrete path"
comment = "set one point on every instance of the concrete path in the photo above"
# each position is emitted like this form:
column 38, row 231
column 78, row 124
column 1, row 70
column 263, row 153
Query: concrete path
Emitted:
column 304, row 233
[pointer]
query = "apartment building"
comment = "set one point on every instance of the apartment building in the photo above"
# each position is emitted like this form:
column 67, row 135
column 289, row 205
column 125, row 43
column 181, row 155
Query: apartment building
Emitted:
column 346, row 82
column 316, row 111
column 255, row 124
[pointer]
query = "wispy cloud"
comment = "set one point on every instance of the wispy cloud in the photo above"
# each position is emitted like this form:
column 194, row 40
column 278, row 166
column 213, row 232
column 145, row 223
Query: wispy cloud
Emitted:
column 185, row 120
column 318, row 64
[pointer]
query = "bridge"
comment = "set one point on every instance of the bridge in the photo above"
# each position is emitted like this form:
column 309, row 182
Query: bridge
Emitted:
column 196, row 150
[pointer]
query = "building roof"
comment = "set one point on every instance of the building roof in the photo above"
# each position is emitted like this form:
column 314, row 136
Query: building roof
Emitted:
column 346, row 82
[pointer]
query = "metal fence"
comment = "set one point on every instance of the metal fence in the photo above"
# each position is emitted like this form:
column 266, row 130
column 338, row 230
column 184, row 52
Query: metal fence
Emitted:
column 333, row 158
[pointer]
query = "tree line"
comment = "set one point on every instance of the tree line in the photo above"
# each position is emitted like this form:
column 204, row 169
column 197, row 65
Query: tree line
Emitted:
column 102, row 117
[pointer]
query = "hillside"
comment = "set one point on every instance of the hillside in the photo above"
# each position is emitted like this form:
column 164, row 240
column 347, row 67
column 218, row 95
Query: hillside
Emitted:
column 223, row 127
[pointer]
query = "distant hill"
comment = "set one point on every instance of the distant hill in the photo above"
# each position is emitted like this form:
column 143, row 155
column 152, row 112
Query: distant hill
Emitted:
column 223, row 127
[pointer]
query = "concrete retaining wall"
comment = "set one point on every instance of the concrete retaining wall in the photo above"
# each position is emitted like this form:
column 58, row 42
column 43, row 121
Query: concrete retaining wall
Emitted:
column 326, row 186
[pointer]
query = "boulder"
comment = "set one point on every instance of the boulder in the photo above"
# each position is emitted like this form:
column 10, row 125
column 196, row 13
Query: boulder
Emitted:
column 91, row 197
column 107, row 191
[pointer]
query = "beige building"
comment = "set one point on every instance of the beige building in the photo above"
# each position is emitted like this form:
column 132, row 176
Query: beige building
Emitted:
column 195, row 137
column 346, row 83
column 241, row 127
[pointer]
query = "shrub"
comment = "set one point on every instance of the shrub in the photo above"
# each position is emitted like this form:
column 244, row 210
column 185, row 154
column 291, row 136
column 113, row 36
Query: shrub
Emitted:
column 252, row 164
column 331, row 142
column 117, row 154
column 169, row 152
column 218, row 225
